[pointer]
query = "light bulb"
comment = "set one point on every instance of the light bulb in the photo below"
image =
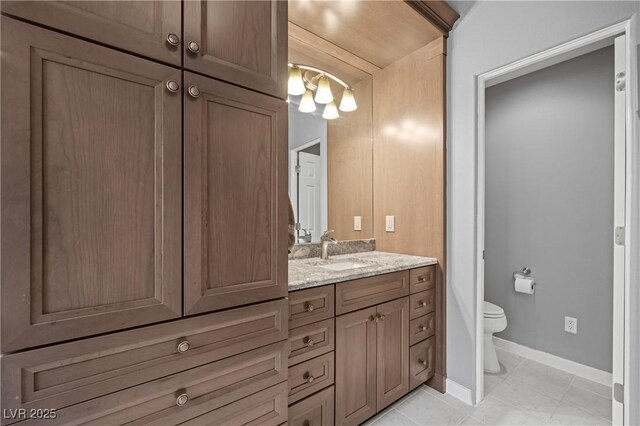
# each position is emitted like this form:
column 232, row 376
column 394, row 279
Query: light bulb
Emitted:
column 323, row 94
column 330, row 111
column 306, row 103
column 296, row 85
column 348, row 102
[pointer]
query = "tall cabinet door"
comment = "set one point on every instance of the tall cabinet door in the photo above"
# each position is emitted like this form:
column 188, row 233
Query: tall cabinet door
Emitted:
column 238, row 41
column 393, row 351
column 148, row 28
column 355, row 367
column 90, row 189
column 235, row 179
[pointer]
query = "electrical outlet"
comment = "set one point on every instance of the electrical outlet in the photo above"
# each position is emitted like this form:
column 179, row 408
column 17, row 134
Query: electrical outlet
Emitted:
column 571, row 325
column 357, row 223
column 390, row 224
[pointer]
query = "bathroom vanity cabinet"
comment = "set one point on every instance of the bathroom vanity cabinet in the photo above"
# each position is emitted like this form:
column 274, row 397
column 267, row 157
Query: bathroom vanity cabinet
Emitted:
column 380, row 352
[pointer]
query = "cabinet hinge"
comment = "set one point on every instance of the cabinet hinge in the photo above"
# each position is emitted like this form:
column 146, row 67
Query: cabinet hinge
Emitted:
column 619, row 235
column 621, row 81
column 618, row 392
column 298, row 169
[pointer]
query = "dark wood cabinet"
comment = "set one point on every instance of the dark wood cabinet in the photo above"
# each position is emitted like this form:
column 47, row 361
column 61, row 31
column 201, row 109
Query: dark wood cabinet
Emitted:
column 147, row 28
column 242, row 42
column 392, row 352
column 91, row 189
column 235, row 178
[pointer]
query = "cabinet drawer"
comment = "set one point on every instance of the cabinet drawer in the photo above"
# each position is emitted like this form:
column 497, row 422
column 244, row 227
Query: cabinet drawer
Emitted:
column 267, row 407
column 311, row 340
column 421, row 362
column 310, row 376
column 317, row 410
column 422, row 279
column 358, row 294
column 66, row 374
column 421, row 328
column 203, row 389
column 311, row 305
column 422, row 303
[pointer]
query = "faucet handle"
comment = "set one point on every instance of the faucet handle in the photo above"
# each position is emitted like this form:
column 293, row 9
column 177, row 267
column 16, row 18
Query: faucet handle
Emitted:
column 327, row 234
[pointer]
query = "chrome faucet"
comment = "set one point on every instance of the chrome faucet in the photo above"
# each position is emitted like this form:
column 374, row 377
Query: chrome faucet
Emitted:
column 326, row 239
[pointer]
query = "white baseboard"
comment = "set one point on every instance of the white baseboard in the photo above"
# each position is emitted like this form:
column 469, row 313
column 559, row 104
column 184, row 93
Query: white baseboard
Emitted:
column 554, row 361
column 460, row 392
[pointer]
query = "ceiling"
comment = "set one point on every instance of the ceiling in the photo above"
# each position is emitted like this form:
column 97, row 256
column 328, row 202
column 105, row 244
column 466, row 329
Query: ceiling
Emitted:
column 355, row 38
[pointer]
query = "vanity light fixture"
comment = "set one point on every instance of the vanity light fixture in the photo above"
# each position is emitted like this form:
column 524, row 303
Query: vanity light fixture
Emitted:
column 314, row 85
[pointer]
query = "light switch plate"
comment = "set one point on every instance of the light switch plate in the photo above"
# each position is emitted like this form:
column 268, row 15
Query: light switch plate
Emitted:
column 357, row 223
column 390, row 224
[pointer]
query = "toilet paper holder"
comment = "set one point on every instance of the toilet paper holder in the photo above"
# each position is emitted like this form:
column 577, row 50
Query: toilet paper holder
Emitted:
column 524, row 272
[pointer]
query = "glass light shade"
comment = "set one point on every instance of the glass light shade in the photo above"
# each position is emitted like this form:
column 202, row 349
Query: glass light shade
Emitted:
column 296, row 85
column 323, row 94
column 348, row 102
column 330, row 111
column 306, row 103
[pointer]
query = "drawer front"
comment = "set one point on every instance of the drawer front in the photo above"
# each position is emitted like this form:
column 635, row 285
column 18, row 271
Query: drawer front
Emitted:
column 202, row 389
column 311, row 305
column 265, row 408
column 421, row 362
column 317, row 410
column 422, row 279
column 422, row 303
column 310, row 376
column 310, row 341
column 422, row 328
column 365, row 292
column 70, row 373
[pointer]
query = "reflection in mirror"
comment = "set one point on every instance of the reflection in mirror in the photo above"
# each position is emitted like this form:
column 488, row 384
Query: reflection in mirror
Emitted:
column 331, row 168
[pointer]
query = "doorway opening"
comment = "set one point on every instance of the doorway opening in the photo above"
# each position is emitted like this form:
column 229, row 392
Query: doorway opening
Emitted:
column 621, row 168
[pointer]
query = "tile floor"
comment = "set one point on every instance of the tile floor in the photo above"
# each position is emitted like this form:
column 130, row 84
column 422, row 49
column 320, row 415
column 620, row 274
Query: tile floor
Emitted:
column 524, row 393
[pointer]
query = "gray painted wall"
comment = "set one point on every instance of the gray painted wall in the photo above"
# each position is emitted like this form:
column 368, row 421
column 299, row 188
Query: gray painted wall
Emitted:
column 489, row 35
column 549, row 205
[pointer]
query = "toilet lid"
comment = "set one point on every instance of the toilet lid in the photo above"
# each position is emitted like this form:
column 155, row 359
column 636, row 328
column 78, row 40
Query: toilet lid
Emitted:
column 491, row 310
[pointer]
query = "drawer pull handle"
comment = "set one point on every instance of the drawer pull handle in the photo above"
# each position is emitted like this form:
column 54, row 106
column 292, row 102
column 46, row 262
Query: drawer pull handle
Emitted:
column 308, row 341
column 422, row 362
column 423, row 327
column 422, row 278
column 173, row 39
column 309, row 377
column 306, row 423
column 193, row 47
column 309, row 307
column 184, row 346
column 423, row 304
column 182, row 399
column 173, row 86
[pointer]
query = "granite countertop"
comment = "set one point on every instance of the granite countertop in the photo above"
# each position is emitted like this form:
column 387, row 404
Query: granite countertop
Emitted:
column 306, row 273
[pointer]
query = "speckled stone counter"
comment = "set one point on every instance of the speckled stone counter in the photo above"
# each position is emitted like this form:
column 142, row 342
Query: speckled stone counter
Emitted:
column 307, row 273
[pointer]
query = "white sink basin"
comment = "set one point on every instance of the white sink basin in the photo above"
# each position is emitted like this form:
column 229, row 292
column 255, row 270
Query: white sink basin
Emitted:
column 343, row 266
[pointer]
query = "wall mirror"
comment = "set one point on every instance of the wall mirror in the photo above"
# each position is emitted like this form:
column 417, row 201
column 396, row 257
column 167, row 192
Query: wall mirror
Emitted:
column 330, row 149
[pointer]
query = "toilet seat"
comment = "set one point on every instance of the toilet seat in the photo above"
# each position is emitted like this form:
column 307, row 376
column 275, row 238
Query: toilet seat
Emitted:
column 492, row 311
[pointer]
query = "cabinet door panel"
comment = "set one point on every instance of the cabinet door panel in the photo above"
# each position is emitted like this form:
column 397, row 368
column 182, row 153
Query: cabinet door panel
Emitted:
column 393, row 351
column 355, row 367
column 141, row 27
column 91, row 193
column 242, row 42
column 235, row 144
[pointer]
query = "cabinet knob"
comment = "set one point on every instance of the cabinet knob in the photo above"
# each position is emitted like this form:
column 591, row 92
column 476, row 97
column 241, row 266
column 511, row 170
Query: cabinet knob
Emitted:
column 193, row 47
column 309, row 307
column 372, row 318
column 173, row 39
column 194, row 91
column 308, row 341
column 182, row 399
column 309, row 377
column 422, row 278
column 173, row 86
column 306, row 423
column 381, row 317
column 423, row 304
column 422, row 362
column 183, row 346
column 423, row 327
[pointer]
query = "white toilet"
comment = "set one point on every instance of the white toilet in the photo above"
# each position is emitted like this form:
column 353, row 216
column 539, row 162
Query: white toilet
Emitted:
column 495, row 321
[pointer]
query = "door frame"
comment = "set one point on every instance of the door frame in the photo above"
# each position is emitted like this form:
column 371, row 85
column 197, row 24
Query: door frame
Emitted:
column 552, row 56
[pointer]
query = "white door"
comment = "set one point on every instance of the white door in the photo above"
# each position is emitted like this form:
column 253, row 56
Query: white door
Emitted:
column 619, row 223
column 309, row 185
